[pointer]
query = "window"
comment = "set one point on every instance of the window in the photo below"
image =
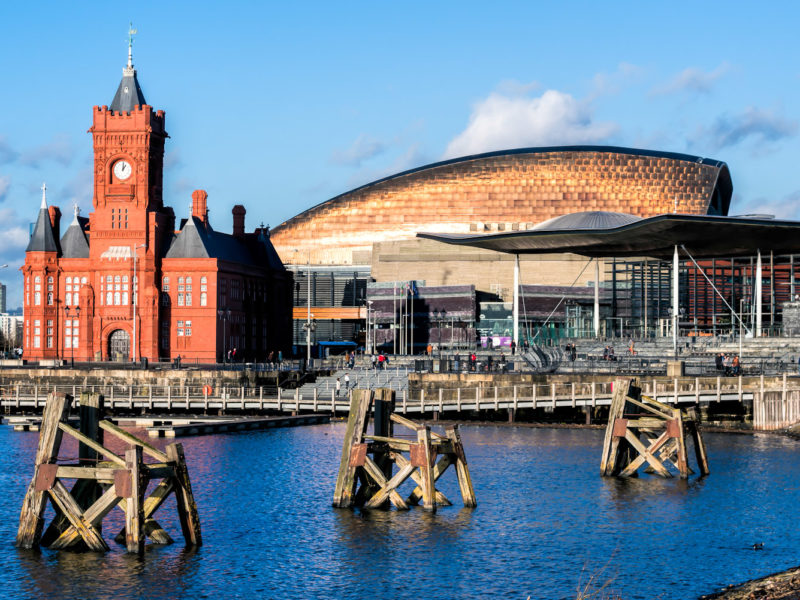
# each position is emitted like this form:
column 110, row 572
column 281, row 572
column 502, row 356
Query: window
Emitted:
column 188, row 284
column 164, row 335
column 180, row 328
column 203, row 299
column 116, row 298
column 188, row 328
column 180, row 284
column 165, row 284
column 69, row 284
column 37, row 298
column 164, row 299
column 204, row 284
column 37, row 289
column 49, row 298
column 49, row 333
column 188, row 298
column 109, row 279
column 75, row 299
column 75, row 333
column 125, row 298
column 37, row 333
column 180, row 299
column 83, row 280
column 109, row 298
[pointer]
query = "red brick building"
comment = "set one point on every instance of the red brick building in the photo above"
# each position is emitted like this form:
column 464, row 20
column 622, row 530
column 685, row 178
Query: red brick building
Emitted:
column 125, row 283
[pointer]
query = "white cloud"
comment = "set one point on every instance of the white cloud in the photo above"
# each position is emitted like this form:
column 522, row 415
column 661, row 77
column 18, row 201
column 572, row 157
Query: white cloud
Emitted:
column 691, row 80
column 59, row 150
column 787, row 208
column 362, row 149
column 759, row 125
column 502, row 122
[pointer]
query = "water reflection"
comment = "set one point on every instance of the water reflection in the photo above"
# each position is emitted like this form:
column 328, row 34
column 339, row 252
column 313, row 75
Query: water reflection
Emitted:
column 545, row 519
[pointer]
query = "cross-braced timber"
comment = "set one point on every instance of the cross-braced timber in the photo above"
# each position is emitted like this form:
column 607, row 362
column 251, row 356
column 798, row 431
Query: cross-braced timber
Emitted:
column 103, row 481
column 643, row 431
column 367, row 475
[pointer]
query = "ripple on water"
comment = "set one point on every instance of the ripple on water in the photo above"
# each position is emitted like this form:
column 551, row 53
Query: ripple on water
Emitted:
column 546, row 522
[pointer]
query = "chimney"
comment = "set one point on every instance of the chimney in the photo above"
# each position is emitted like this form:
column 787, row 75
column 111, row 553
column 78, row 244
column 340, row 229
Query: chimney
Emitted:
column 200, row 206
column 238, row 220
column 55, row 220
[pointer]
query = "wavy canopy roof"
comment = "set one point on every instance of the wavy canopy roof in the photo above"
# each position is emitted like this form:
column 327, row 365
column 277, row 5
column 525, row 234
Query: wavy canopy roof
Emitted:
column 703, row 236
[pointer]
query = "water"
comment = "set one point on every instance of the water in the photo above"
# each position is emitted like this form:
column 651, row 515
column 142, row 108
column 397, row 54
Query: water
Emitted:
column 546, row 521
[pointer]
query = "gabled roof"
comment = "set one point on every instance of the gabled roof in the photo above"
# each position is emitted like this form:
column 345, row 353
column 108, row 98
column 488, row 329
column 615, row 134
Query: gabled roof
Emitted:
column 129, row 93
column 43, row 239
column 74, row 243
column 199, row 240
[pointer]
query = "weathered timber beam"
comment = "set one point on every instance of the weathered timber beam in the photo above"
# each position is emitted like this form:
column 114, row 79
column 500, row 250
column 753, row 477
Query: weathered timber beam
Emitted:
column 391, row 485
column 647, row 423
column 412, row 425
column 106, row 474
column 134, row 506
column 187, row 507
column 651, row 409
column 645, row 454
column 426, row 470
column 377, row 475
column 357, row 421
column 664, row 407
column 416, row 495
column 608, row 460
column 74, row 514
column 92, row 444
column 462, row 469
column 31, row 518
column 153, row 502
column 132, row 439
column 93, row 516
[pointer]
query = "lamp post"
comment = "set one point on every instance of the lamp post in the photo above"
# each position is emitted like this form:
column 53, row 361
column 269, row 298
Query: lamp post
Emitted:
column 134, row 291
column 224, row 314
column 369, row 328
column 67, row 316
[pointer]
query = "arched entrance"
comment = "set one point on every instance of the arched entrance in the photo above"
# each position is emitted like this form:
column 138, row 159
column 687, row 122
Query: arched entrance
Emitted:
column 119, row 345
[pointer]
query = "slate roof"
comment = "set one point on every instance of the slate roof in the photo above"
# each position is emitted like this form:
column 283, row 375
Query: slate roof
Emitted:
column 74, row 243
column 197, row 240
column 129, row 93
column 43, row 239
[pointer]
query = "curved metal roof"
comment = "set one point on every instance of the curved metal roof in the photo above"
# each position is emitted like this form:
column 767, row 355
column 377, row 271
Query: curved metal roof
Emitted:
column 593, row 219
column 723, row 179
column 703, row 236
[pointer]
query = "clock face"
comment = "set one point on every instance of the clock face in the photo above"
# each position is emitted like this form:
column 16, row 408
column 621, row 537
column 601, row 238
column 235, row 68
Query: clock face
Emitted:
column 122, row 169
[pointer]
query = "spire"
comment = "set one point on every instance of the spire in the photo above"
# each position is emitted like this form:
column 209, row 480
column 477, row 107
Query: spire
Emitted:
column 129, row 94
column 42, row 238
column 74, row 243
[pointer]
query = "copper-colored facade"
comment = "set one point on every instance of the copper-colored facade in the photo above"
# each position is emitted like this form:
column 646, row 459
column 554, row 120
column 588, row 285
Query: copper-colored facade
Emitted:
column 502, row 191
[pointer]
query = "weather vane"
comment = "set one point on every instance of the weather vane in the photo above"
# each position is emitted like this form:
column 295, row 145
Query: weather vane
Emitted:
column 131, row 33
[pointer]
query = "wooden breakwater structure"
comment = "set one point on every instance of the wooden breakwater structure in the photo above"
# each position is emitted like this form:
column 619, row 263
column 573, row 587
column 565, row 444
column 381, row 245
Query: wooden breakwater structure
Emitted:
column 103, row 480
column 366, row 475
column 643, row 431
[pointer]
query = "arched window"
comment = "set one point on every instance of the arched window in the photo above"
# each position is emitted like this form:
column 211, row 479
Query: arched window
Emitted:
column 125, row 298
column 203, row 284
column 203, row 298
column 116, row 298
column 83, row 280
column 49, row 298
column 188, row 284
column 109, row 298
column 75, row 300
column 188, row 298
column 37, row 298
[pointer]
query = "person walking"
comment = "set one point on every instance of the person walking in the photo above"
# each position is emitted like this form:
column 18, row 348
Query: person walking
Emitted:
column 347, row 382
column 338, row 387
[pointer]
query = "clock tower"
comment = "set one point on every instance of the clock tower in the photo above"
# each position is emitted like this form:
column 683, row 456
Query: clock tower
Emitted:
column 129, row 225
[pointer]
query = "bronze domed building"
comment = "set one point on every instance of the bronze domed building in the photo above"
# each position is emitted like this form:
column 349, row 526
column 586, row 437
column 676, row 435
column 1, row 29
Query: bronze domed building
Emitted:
column 503, row 191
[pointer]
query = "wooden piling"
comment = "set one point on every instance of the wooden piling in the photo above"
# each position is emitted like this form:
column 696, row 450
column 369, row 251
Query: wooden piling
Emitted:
column 31, row 519
column 134, row 510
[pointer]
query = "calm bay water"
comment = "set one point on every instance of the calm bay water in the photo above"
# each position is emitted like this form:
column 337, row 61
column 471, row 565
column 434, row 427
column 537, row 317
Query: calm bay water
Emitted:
column 546, row 520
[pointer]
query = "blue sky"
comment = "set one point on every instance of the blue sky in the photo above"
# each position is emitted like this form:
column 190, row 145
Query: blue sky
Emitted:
column 280, row 106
